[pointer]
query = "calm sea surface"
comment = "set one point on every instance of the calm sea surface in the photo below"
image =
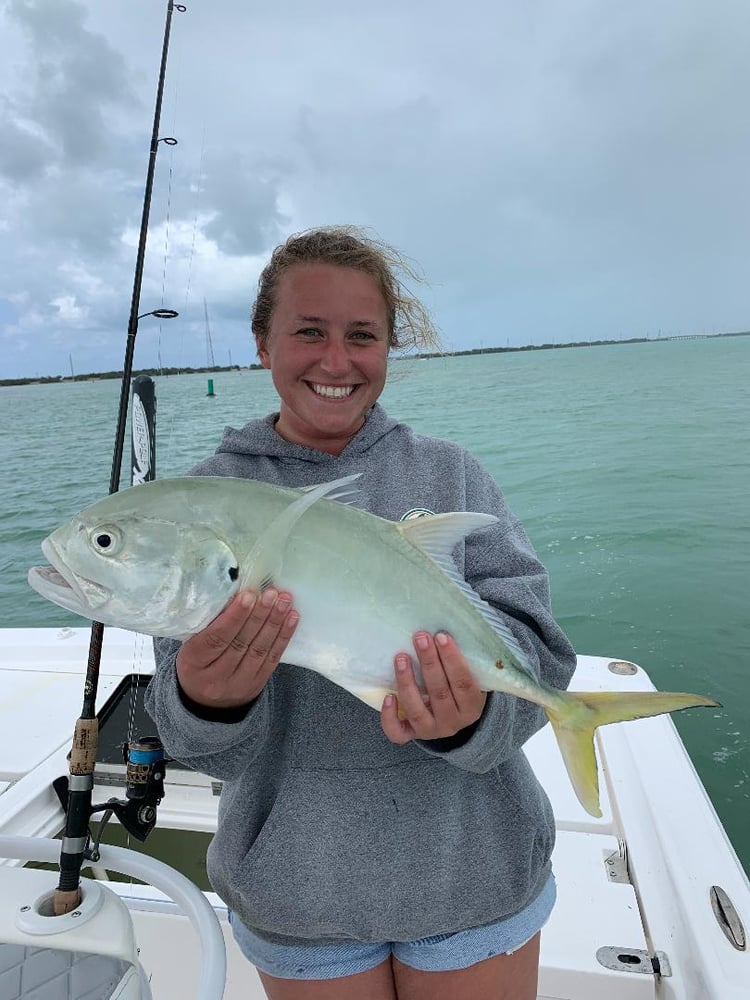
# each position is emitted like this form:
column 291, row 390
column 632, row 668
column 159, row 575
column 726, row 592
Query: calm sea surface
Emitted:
column 629, row 465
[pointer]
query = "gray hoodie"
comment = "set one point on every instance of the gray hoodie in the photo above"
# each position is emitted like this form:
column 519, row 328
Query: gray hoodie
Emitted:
column 327, row 830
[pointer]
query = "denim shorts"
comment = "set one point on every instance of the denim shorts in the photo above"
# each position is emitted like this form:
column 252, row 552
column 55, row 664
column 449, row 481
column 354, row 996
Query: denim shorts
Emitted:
column 442, row 953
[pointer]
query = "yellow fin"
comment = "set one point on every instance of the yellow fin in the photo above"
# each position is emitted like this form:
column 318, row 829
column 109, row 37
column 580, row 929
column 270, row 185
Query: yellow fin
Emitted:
column 578, row 715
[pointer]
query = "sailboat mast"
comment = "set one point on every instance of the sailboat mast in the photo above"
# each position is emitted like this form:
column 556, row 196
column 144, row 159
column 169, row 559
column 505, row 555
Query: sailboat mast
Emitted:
column 209, row 344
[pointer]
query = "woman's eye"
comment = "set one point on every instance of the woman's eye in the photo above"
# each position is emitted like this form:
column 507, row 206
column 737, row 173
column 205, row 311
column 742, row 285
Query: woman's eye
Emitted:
column 309, row 333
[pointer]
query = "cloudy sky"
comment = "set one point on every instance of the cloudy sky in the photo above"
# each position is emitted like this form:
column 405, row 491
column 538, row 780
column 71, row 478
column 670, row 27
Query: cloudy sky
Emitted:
column 560, row 169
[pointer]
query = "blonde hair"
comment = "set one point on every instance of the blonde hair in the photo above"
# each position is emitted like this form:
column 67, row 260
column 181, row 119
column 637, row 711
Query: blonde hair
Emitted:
column 409, row 323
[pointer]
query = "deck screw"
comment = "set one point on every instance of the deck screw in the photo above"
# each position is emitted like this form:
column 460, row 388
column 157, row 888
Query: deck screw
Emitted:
column 25, row 909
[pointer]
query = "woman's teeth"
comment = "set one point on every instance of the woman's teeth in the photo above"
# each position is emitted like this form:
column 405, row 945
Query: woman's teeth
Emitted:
column 332, row 391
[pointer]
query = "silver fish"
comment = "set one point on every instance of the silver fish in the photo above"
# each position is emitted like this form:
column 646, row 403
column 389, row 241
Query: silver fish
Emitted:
column 165, row 557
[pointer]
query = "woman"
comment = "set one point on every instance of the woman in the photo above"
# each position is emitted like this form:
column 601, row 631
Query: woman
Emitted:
column 405, row 855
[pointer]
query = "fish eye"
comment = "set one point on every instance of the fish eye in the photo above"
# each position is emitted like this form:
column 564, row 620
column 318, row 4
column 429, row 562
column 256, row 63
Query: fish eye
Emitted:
column 105, row 540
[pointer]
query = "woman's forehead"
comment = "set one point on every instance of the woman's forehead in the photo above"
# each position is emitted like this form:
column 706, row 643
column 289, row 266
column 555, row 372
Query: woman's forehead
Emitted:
column 313, row 290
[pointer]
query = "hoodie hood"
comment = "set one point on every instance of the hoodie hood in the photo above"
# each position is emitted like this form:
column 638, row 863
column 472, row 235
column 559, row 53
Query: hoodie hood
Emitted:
column 259, row 437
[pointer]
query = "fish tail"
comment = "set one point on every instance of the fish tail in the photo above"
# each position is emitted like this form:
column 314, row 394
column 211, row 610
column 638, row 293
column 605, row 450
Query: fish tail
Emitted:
column 576, row 716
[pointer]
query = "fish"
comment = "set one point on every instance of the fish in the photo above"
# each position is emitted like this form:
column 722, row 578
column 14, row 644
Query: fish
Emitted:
column 164, row 558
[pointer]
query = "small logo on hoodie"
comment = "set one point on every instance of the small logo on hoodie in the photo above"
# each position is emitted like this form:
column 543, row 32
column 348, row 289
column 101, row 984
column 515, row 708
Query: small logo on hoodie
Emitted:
column 415, row 512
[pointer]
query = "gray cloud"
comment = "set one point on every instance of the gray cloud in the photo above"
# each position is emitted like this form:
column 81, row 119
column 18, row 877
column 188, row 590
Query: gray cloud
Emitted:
column 24, row 154
column 244, row 195
column 73, row 77
column 558, row 169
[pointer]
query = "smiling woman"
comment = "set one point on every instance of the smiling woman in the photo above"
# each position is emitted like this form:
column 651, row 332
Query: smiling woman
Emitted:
column 329, row 310
column 327, row 349
column 391, row 855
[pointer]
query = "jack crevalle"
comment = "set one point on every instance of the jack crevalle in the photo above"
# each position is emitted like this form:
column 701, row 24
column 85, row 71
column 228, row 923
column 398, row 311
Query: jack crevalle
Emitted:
column 165, row 557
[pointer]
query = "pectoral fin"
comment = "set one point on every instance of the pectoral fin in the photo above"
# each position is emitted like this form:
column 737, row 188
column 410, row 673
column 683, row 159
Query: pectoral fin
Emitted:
column 267, row 555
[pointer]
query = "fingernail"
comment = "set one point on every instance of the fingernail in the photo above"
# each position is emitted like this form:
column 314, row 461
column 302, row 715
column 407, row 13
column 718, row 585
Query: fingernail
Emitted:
column 248, row 599
column 421, row 640
column 283, row 604
column 389, row 701
column 402, row 663
column 292, row 618
column 268, row 599
column 441, row 638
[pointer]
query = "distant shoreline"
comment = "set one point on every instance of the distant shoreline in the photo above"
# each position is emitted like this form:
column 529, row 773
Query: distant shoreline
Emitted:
column 99, row 376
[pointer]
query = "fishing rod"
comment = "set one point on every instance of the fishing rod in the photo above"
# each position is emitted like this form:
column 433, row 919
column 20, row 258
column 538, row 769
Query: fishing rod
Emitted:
column 86, row 735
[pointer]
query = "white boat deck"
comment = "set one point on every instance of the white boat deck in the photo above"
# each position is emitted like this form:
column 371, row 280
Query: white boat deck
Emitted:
column 655, row 811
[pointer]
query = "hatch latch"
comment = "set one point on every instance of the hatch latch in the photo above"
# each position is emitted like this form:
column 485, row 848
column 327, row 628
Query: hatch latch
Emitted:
column 634, row 960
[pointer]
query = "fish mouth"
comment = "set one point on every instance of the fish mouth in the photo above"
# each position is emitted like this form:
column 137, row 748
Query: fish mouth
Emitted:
column 59, row 584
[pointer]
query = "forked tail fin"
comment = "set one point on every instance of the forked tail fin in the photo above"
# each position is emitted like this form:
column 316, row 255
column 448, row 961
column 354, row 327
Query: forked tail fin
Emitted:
column 578, row 715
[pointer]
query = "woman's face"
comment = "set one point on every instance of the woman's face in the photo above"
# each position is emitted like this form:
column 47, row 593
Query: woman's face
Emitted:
column 327, row 349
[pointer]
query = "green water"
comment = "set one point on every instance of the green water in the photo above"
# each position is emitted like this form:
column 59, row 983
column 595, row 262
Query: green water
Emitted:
column 629, row 465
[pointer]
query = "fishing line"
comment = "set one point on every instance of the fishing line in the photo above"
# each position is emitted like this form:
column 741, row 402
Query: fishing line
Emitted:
column 141, row 640
column 171, row 142
column 196, row 189
column 138, row 651
column 139, row 644
column 135, row 677
column 199, row 188
column 169, row 197
column 166, row 234
column 134, row 683
column 166, row 253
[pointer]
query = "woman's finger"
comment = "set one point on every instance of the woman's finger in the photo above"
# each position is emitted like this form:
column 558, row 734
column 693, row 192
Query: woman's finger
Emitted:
column 397, row 730
column 414, row 707
column 467, row 695
column 261, row 628
column 283, row 633
column 436, row 682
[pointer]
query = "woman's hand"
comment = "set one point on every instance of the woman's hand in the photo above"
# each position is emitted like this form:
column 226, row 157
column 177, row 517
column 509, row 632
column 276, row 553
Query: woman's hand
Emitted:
column 453, row 698
column 227, row 664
